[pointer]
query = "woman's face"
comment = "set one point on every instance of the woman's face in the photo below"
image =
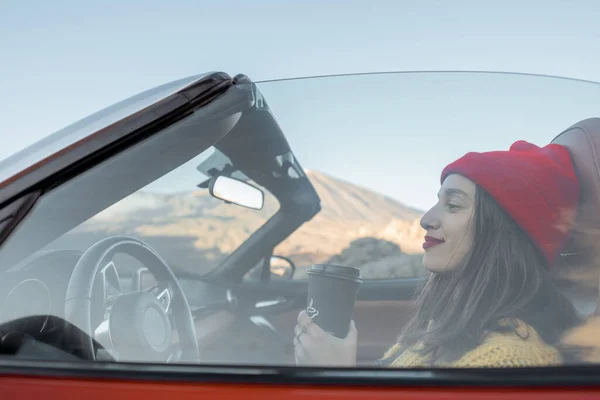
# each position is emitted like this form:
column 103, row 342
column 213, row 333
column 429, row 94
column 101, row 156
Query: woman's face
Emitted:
column 449, row 225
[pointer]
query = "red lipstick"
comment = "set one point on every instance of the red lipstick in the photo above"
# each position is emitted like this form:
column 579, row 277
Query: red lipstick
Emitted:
column 430, row 241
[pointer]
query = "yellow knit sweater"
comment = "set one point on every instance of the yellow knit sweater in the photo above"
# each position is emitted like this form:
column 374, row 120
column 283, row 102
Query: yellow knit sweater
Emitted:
column 525, row 349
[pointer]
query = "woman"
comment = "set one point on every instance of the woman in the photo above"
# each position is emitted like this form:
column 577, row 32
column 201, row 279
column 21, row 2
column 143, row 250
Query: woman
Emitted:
column 500, row 222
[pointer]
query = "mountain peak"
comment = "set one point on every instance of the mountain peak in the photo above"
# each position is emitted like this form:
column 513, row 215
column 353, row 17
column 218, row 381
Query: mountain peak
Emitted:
column 192, row 229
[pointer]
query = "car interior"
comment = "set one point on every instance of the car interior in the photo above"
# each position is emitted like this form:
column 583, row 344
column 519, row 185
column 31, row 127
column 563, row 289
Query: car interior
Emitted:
column 66, row 304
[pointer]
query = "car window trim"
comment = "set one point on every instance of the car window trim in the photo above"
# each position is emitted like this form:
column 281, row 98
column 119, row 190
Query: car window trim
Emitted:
column 563, row 376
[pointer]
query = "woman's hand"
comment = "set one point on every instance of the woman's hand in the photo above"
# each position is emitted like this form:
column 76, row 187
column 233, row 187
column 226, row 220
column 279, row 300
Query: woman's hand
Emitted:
column 315, row 347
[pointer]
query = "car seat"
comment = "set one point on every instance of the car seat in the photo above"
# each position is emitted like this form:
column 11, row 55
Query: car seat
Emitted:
column 582, row 252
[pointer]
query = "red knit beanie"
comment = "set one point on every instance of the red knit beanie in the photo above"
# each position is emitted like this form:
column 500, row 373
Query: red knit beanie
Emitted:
column 536, row 186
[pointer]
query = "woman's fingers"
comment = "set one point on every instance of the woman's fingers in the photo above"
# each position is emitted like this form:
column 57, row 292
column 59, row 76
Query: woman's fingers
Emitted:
column 302, row 337
column 314, row 346
column 302, row 345
column 306, row 323
column 299, row 353
column 309, row 326
column 303, row 318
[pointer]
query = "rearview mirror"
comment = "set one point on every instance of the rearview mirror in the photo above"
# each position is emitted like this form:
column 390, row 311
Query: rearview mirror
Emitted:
column 237, row 192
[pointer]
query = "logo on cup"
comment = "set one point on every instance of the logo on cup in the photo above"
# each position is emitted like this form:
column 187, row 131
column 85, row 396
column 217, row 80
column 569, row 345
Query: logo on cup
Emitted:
column 311, row 311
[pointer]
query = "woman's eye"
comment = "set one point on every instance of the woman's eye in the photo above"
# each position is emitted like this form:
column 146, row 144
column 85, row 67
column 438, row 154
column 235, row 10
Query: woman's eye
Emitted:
column 453, row 207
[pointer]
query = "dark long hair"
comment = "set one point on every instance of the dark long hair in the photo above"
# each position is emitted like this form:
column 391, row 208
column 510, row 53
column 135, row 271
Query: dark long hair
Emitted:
column 503, row 278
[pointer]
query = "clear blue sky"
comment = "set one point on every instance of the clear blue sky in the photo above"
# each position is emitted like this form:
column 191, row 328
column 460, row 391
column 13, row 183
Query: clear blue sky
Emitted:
column 64, row 60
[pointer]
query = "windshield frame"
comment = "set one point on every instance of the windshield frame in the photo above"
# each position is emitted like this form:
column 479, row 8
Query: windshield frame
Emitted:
column 35, row 171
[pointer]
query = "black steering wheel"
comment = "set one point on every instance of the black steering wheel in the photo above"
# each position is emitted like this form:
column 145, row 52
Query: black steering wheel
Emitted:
column 138, row 325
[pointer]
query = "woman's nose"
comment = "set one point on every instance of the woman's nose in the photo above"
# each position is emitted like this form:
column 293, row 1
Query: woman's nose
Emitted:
column 429, row 221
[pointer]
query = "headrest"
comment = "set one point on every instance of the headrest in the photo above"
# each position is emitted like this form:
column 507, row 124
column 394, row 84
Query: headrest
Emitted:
column 583, row 142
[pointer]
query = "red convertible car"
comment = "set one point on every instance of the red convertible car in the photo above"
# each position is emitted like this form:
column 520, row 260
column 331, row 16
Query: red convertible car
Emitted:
column 159, row 247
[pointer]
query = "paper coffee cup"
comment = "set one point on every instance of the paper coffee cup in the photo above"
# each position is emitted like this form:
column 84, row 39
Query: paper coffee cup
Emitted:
column 332, row 291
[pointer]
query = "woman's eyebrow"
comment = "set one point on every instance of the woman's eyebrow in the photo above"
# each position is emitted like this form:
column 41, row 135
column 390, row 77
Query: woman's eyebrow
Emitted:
column 454, row 191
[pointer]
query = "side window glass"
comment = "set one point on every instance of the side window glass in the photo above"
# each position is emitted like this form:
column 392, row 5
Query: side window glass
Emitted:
column 472, row 241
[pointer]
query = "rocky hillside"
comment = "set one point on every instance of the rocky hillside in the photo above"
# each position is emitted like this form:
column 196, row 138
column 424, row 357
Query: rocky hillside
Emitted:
column 194, row 231
column 350, row 212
